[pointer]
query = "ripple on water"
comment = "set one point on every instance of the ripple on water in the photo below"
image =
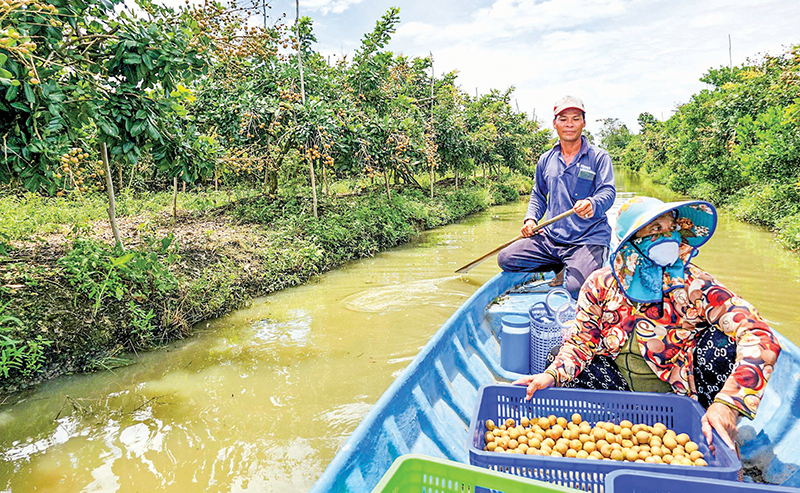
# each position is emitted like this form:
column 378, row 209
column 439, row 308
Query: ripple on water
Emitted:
column 399, row 296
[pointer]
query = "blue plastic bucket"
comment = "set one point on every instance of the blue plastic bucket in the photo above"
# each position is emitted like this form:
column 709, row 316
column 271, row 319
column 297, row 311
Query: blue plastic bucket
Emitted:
column 514, row 342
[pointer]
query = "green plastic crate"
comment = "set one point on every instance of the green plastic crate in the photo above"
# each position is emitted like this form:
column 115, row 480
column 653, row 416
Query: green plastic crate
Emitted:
column 420, row 473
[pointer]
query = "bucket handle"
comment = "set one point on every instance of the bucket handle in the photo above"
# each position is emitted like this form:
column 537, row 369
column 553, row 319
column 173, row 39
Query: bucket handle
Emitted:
column 550, row 309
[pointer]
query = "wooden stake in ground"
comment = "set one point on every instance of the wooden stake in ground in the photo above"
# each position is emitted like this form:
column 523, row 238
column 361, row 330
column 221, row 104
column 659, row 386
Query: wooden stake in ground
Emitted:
column 303, row 97
column 112, row 209
column 174, row 199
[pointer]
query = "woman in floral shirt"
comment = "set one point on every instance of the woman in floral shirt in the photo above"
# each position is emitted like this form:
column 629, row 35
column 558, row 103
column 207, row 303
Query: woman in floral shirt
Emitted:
column 653, row 321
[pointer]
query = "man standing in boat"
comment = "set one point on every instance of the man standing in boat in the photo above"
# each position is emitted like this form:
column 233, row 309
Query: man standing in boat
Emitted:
column 572, row 175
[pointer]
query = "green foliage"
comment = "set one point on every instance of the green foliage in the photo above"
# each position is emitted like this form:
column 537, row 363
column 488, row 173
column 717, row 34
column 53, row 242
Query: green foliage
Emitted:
column 17, row 357
column 94, row 75
column 614, row 136
column 789, row 232
column 98, row 271
column 737, row 144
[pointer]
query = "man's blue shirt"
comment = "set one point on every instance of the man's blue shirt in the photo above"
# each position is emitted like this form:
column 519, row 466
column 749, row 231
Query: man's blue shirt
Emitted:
column 558, row 186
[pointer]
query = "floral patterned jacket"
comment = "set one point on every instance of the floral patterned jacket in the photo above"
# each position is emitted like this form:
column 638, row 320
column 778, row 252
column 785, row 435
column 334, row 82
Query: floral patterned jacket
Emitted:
column 605, row 319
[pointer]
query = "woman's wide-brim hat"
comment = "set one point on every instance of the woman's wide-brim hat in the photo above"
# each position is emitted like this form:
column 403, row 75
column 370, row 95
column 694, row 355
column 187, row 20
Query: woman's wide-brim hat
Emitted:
column 696, row 219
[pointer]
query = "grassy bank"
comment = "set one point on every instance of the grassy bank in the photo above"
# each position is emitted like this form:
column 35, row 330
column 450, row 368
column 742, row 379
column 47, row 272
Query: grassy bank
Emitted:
column 71, row 302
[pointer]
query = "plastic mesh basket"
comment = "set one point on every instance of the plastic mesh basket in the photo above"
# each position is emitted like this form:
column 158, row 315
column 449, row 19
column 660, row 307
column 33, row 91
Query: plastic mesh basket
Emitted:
column 418, row 473
column 549, row 326
column 627, row 481
column 546, row 333
column 682, row 414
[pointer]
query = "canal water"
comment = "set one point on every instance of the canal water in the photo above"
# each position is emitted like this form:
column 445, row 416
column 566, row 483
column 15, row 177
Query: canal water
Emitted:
column 262, row 399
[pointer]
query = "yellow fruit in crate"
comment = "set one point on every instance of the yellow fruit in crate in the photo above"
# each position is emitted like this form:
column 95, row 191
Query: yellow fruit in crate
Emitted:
column 670, row 442
column 562, row 422
column 700, row 462
column 489, row 425
column 510, row 423
column 544, row 423
column 617, row 455
column 488, row 437
column 691, row 447
column 696, row 454
column 524, row 421
column 683, row 439
column 576, row 418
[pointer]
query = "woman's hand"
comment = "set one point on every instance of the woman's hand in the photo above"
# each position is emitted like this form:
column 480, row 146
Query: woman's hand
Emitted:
column 535, row 382
column 722, row 418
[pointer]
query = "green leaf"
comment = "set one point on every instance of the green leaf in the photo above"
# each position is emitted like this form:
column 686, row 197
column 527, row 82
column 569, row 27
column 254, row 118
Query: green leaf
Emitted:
column 3, row 58
column 116, row 262
column 29, row 93
column 5, row 74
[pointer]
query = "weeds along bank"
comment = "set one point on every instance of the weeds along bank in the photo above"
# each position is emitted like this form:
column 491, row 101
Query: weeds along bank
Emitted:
column 71, row 302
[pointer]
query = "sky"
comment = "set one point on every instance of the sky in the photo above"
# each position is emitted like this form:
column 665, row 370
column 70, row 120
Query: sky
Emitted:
column 622, row 57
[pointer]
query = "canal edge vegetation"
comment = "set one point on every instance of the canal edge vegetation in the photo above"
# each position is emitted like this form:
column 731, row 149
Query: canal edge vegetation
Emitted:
column 736, row 144
column 75, row 303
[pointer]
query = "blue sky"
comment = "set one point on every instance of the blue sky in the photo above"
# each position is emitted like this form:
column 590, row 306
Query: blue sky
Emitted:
column 621, row 57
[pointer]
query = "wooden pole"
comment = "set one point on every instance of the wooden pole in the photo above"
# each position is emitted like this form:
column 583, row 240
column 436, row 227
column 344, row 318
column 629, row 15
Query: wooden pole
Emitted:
column 433, row 75
column 730, row 53
column 174, row 199
column 466, row 268
column 112, row 210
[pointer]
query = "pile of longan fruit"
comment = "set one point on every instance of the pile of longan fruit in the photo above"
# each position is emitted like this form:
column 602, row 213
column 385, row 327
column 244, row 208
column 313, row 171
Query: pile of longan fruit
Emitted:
column 556, row 437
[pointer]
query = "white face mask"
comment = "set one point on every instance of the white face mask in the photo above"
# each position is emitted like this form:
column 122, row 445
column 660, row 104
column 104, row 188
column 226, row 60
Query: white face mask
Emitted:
column 664, row 253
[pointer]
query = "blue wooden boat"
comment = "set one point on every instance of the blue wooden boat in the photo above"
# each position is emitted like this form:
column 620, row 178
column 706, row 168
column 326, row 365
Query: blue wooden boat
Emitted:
column 427, row 409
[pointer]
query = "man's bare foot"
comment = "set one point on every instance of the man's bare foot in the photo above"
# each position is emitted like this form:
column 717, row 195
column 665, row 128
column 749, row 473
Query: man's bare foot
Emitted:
column 558, row 280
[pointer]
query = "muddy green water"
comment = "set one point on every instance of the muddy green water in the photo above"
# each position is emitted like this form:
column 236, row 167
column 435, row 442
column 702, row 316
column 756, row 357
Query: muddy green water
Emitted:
column 262, row 399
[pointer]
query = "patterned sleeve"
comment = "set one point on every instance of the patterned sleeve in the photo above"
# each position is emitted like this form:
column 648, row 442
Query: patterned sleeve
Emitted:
column 757, row 348
column 578, row 351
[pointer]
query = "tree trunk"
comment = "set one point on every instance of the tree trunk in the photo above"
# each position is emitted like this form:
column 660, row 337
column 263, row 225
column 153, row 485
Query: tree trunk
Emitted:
column 433, row 178
column 325, row 189
column 112, row 212
column 303, row 97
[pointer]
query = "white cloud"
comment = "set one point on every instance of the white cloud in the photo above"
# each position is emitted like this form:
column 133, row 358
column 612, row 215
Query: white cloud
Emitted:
column 326, row 7
column 622, row 57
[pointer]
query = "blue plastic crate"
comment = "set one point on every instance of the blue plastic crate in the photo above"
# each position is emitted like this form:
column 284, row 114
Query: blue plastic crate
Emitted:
column 627, row 481
column 682, row 414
